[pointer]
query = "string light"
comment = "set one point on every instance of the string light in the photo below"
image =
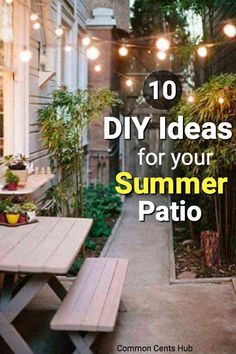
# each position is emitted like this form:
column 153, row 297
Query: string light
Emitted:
column 86, row 41
column 202, row 51
column 161, row 55
column 25, row 55
column 68, row 48
column 229, row 30
column 129, row 83
column 163, row 44
column 123, row 51
column 221, row 100
column 34, row 17
column 36, row 25
column 190, row 99
column 98, row 68
column 59, row 31
column 93, row 53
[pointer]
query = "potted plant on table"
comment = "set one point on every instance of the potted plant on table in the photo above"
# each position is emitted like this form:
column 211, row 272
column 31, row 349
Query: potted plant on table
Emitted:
column 17, row 163
column 29, row 210
column 12, row 214
column 11, row 180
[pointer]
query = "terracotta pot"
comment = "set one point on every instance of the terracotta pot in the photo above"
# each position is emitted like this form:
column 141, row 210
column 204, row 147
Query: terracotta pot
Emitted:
column 22, row 219
column 12, row 186
column 23, row 175
column 2, row 217
column 12, row 218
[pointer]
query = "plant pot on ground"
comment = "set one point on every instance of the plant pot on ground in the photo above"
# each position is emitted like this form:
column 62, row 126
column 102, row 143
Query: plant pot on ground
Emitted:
column 11, row 180
column 29, row 210
column 12, row 214
column 17, row 163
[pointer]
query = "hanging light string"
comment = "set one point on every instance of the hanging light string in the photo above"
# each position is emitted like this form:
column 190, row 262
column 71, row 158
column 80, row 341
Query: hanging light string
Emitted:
column 162, row 43
column 229, row 30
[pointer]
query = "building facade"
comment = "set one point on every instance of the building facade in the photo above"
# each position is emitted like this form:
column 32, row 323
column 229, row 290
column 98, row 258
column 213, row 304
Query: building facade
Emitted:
column 26, row 85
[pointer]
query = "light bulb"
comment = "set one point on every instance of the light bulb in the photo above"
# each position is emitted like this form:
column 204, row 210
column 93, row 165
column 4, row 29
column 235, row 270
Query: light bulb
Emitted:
column 93, row 53
column 68, row 48
column 229, row 30
column 59, row 31
column 36, row 25
column 221, row 100
column 129, row 83
column 190, row 99
column 163, row 44
column 98, row 68
column 123, row 51
column 34, row 17
column 202, row 51
column 86, row 41
column 25, row 55
column 161, row 55
column 8, row 2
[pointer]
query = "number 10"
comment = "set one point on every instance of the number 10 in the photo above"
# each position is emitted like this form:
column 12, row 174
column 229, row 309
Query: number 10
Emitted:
column 167, row 84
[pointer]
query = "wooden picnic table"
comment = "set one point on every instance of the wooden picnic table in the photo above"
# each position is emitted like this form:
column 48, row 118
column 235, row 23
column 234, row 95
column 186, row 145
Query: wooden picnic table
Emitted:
column 39, row 251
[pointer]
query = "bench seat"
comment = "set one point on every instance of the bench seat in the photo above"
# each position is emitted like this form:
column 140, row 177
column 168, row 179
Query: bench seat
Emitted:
column 93, row 301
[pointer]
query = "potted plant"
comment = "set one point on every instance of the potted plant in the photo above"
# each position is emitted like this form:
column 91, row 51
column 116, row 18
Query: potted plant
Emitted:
column 11, row 180
column 12, row 214
column 17, row 163
column 29, row 209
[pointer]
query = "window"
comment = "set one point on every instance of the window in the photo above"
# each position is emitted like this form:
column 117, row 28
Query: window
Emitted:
column 66, row 58
column 6, row 75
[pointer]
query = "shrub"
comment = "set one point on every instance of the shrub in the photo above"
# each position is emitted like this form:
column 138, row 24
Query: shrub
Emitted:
column 101, row 203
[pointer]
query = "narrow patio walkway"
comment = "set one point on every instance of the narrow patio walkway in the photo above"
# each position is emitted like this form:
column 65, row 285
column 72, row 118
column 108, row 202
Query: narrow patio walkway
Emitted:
column 202, row 315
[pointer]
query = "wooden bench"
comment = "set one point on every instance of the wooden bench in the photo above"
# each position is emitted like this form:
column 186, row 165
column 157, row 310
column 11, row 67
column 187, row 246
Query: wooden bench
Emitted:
column 92, row 303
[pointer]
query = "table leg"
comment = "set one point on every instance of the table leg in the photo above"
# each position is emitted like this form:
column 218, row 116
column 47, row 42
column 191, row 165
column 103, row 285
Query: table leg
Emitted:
column 57, row 287
column 81, row 346
column 13, row 308
column 13, row 338
column 7, row 289
column 24, row 296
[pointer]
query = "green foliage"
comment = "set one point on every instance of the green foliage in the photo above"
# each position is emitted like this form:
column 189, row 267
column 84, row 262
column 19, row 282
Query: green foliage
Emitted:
column 218, row 210
column 16, row 162
column 5, row 203
column 12, row 209
column 28, row 207
column 10, row 177
column 63, row 123
column 150, row 18
column 76, row 266
column 206, row 108
column 101, row 203
column 90, row 244
column 146, row 18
